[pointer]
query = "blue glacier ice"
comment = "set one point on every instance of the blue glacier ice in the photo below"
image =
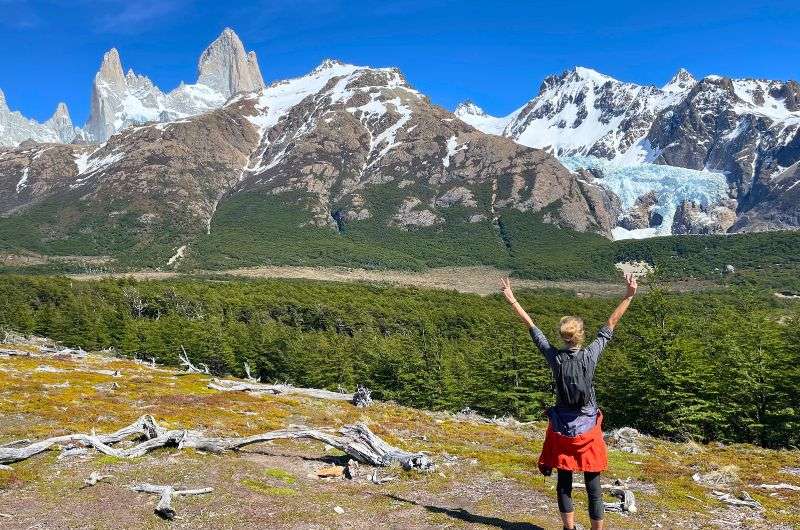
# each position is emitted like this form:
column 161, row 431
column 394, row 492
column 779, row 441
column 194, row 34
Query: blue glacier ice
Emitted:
column 671, row 185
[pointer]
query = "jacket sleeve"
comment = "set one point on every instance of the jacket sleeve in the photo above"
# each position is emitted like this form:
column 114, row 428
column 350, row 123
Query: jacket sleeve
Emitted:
column 543, row 344
column 599, row 344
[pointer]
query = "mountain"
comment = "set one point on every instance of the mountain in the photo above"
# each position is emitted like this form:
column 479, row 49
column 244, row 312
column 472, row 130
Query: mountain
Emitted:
column 745, row 131
column 120, row 100
column 15, row 128
column 344, row 148
column 123, row 99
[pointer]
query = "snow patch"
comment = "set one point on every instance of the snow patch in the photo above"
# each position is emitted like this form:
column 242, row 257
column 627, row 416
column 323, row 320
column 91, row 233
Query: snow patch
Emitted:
column 88, row 166
column 452, row 149
column 473, row 115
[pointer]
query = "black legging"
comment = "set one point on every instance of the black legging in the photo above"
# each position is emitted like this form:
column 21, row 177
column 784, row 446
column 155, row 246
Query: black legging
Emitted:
column 593, row 490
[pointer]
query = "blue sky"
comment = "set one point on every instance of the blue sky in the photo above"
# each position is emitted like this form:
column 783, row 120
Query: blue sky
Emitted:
column 495, row 53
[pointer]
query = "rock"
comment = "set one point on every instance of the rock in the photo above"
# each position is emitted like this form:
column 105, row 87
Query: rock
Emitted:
column 693, row 218
column 724, row 476
column 352, row 469
column 641, row 215
column 779, row 208
column 625, row 439
column 338, row 509
column 225, row 67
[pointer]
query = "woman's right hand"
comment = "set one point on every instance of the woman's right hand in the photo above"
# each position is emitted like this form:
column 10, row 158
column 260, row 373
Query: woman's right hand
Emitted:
column 505, row 287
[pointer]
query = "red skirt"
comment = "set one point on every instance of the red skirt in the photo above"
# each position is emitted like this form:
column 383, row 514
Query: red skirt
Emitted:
column 585, row 452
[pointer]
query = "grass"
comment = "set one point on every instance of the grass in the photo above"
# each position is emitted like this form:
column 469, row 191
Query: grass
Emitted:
column 500, row 461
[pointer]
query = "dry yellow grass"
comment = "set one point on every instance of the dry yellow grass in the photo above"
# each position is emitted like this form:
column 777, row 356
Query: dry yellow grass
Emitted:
column 492, row 481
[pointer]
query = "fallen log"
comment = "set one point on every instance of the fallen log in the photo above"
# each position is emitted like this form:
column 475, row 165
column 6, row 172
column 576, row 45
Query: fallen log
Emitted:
column 230, row 385
column 145, row 427
column 356, row 440
column 744, row 499
column 164, row 507
column 781, row 486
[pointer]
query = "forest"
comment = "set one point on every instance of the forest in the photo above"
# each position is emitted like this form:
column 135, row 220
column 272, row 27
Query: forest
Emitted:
column 719, row 365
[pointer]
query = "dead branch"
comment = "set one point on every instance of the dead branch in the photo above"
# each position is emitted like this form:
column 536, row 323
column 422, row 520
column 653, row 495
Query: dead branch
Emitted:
column 145, row 427
column 356, row 440
column 164, row 507
column 250, row 377
column 744, row 499
column 184, row 359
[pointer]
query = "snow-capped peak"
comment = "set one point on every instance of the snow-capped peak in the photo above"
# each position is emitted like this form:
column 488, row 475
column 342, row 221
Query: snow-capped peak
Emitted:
column 472, row 114
column 16, row 128
column 120, row 100
column 468, row 108
column 61, row 123
column 328, row 64
column 680, row 82
column 589, row 74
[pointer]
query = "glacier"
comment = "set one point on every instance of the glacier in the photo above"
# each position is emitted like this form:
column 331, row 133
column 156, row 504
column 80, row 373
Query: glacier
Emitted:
column 671, row 186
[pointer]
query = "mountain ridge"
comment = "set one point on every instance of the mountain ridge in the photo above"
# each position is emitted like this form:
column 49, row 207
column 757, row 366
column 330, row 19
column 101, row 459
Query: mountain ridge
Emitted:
column 350, row 147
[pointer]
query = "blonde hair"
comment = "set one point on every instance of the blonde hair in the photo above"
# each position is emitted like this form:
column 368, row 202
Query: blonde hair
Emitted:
column 571, row 331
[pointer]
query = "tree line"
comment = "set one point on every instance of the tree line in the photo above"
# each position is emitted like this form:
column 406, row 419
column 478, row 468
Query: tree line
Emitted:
column 712, row 366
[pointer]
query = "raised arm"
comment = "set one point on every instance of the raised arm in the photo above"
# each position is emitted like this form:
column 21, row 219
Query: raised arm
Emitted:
column 623, row 305
column 505, row 286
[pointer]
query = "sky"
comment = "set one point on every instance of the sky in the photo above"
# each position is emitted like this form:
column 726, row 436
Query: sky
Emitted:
column 495, row 53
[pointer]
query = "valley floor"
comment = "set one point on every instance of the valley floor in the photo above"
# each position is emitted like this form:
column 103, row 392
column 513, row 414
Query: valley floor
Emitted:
column 486, row 473
column 477, row 280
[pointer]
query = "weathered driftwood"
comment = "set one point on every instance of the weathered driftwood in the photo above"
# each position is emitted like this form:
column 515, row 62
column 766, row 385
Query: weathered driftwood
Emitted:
column 94, row 478
column 15, row 353
column 781, row 486
column 183, row 357
column 230, row 385
column 744, row 499
column 356, row 440
column 145, row 427
column 626, row 503
column 164, row 507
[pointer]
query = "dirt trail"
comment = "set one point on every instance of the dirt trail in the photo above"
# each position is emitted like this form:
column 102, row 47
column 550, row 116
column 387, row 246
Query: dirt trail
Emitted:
column 477, row 280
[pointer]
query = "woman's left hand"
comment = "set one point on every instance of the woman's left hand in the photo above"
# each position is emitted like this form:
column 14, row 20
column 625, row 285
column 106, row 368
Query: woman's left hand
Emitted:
column 505, row 287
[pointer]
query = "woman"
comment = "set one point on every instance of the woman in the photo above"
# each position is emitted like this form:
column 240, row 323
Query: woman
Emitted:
column 574, row 439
